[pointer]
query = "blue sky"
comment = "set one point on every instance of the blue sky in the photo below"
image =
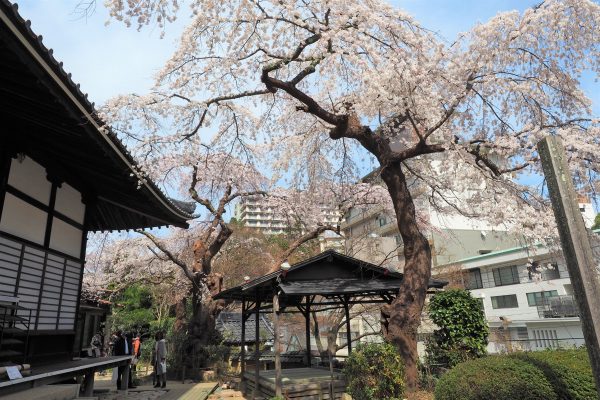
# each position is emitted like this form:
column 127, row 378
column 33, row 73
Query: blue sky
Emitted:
column 113, row 59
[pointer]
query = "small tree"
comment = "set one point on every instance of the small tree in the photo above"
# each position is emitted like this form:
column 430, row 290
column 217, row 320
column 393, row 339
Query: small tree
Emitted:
column 462, row 332
column 596, row 222
column 375, row 371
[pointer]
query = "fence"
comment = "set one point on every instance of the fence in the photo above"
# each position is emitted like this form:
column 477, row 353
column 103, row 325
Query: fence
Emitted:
column 540, row 343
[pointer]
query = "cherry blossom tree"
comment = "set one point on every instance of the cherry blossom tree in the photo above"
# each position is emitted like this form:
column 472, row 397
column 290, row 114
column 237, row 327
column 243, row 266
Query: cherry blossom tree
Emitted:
column 315, row 82
column 184, row 259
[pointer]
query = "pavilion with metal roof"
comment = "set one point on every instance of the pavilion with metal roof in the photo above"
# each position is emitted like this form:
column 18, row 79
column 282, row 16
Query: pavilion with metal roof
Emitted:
column 325, row 282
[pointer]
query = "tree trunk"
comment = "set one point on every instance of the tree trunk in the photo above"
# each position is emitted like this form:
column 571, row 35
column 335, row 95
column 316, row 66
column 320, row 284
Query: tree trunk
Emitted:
column 317, row 334
column 205, row 311
column 180, row 315
column 404, row 313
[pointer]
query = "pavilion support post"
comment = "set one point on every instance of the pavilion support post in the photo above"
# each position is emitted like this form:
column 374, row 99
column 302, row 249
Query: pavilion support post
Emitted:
column 307, row 321
column 88, row 383
column 348, row 334
column 125, row 377
column 243, row 348
column 575, row 244
column 256, row 348
column 277, row 344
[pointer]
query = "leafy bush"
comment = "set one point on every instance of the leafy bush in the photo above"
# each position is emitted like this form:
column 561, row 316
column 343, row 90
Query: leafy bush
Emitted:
column 463, row 331
column 375, row 371
column 494, row 377
column 568, row 371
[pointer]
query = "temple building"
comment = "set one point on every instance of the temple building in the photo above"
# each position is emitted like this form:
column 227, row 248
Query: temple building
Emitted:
column 63, row 173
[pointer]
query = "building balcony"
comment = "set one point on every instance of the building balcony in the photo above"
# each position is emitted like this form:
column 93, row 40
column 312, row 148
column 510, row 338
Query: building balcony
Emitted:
column 362, row 217
column 558, row 307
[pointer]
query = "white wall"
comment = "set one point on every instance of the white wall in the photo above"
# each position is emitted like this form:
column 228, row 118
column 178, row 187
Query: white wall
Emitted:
column 23, row 220
column 588, row 213
column 68, row 202
column 26, row 221
column 66, row 238
column 30, row 178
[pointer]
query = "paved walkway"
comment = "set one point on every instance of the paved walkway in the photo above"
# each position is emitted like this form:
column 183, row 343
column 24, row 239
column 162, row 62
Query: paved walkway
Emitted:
column 105, row 390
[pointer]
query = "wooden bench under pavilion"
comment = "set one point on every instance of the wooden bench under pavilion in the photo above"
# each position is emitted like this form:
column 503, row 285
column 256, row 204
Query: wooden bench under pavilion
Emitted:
column 327, row 281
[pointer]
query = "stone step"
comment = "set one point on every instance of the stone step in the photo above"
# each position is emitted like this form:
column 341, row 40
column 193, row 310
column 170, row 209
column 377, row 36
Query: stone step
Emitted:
column 227, row 394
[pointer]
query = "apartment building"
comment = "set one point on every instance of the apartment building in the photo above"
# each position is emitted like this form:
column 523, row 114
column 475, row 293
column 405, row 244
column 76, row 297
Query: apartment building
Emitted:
column 260, row 212
column 527, row 298
column 526, row 293
column 372, row 235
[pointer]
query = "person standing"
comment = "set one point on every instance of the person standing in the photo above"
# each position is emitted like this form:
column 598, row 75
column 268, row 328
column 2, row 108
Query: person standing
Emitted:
column 97, row 345
column 161, row 360
column 122, row 347
column 136, row 344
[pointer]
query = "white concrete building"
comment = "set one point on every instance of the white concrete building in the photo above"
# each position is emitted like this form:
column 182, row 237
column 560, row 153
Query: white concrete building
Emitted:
column 258, row 212
column 587, row 211
column 527, row 298
column 372, row 235
column 525, row 309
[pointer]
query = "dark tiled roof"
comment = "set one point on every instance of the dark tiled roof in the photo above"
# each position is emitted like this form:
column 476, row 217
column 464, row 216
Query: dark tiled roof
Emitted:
column 152, row 206
column 311, row 270
column 338, row 286
column 229, row 324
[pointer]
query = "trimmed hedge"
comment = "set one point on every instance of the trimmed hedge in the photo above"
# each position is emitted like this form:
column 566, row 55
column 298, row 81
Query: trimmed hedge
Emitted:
column 494, row 377
column 374, row 371
column 568, row 371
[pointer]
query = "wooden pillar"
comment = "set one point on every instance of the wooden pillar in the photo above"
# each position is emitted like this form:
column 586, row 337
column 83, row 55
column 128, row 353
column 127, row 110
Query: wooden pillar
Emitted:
column 277, row 344
column 243, row 349
column 88, row 382
column 125, row 377
column 308, row 331
column 256, row 348
column 348, row 335
column 575, row 244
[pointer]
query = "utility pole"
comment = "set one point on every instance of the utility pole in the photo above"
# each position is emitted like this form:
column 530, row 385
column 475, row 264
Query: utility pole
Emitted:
column 575, row 242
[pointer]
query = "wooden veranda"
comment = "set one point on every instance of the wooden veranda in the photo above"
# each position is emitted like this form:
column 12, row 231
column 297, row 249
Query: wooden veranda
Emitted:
column 325, row 282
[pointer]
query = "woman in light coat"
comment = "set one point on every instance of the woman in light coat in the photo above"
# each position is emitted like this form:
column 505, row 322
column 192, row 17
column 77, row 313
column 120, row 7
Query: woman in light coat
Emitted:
column 161, row 360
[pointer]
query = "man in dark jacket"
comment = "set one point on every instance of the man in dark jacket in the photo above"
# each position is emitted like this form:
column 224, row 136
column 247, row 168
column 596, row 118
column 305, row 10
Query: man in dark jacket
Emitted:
column 122, row 347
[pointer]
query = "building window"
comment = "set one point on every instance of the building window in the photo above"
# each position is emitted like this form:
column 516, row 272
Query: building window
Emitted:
column 382, row 221
column 522, row 333
column 508, row 301
column 545, row 271
column 538, row 298
column 551, row 272
column 506, row 275
column 474, row 279
column 343, row 339
column 481, row 305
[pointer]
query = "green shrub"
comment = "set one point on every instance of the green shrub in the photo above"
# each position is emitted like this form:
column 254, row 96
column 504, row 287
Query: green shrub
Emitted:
column 374, row 371
column 494, row 377
column 568, row 371
column 463, row 330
